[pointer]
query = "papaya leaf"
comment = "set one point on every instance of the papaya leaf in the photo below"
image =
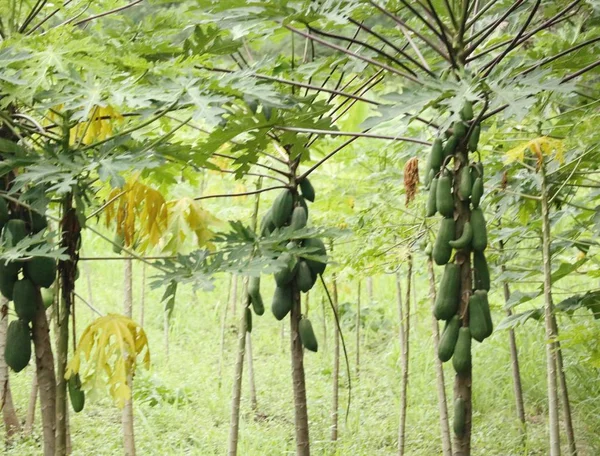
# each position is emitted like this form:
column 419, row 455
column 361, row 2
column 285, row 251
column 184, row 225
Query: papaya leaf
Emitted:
column 518, row 319
column 518, row 297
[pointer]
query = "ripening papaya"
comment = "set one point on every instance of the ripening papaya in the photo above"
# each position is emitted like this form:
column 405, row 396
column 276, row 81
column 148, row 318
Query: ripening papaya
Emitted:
column 477, row 321
column 25, row 298
column 8, row 276
column 464, row 184
column 287, row 270
column 282, row 208
column 474, row 138
column 17, row 351
column 448, row 296
column 481, row 272
column 305, row 279
column 282, row 302
column 47, row 297
column 14, row 232
column 466, row 113
column 316, row 267
column 486, row 311
column 76, row 394
column 442, row 251
column 266, row 225
column 248, row 317
column 465, row 238
column 436, row 157
column 308, row 191
column 461, row 360
column 451, row 145
column 477, row 192
column 41, row 271
column 431, row 203
column 459, row 129
column 299, row 218
column 307, row 335
column 448, row 339
column 443, row 196
column 458, row 422
column 479, row 242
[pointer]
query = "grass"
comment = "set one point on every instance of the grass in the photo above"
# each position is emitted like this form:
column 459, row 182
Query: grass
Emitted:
column 182, row 407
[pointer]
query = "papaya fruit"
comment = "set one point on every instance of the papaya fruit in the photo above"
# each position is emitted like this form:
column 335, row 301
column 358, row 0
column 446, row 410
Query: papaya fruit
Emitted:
column 48, row 297
column 481, row 272
column 8, row 277
column 466, row 113
column 302, row 203
column 476, row 170
column 459, row 129
column 458, row 421
column 431, row 199
column 465, row 238
column 38, row 222
column 41, row 271
column 118, row 242
column 448, row 296
column 282, row 208
column 474, row 138
column 477, row 322
column 443, row 196
column 479, row 242
column 299, row 218
column 266, row 225
column 448, row 339
column 486, row 311
column 441, row 249
column 436, row 157
column 465, row 184
column 287, row 271
column 17, row 352
column 477, row 192
column 450, row 146
column 429, row 175
column 282, row 302
column 25, row 298
column 307, row 335
column 305, row 279
column 255, row 296
column 315, row 266
column 14, row 232
column 76, row 394
column 4, row 217
column 429, row 249
column 308, row 191
column 461, row 360
column 248, row 316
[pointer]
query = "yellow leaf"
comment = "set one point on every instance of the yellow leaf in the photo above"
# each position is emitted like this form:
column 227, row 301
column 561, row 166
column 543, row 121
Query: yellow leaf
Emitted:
column 541, row 146
column 99, row 126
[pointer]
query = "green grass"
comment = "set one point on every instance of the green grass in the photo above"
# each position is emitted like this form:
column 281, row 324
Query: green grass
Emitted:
column 182, row 407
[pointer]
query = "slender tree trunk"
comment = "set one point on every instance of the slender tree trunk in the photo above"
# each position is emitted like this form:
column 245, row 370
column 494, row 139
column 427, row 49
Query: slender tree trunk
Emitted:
column 404, row 343
column 370, row 290
column 299, row 384
column 514, row 354
column 223, row 325
column 235, row 296
column 30, row 418
column 127, row 418
column 12, row 425
column 324, row 324
column 358, row 331
column 439, row 369
column 336, row 366
column 548, row 317
column 143, row 296
column 252, row 383
column 44, row 362
column 62, row 350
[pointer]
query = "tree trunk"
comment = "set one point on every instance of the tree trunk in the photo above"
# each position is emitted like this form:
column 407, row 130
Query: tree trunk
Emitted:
column 324, row 324
column 235, row 296
column 223, row 325
column 404, row 344
column 358, row 331
column 62, row 350
column 44, row 362
column 30, row 418
column 299, row 384
column 12, row 425
column 370, row 290
column 143, row 296
column 439, row 369
column 336, row 365
column 127, row 418
column 252, row 383
column 548, row 318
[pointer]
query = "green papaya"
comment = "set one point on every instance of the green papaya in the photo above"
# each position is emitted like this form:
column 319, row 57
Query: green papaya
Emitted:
column 299, row 218
column 431, row 199
column 76, row 394
column 307, row 335
column 25, row 298
column 38, row 222
column 308, row 191
column 255, row 296
column 302, row 203
column 448, row 296
column 287, row 271
column 486, row 311
column 282, row 208
column 481, row 272
column 305, row 279
column 465, row 238
column 41, row 271
column 429, row 175
column 458, row 423
column 248, row 316
column 443, row 196
column 4, row 217
column 461, row 360
column 466, row 113
column 448, row 339
column 476, row 171
column 429, row 249
column 48, row 297
column 459, row 129
column 282, row 302
column 477, row 192
column 266, row 225
column 477, row 321
column 14, row 232
column 315, row 266
column 8, row 277
column 479, row 242
column 474, row 138
column 436, row 157
column 118, row 242
column 450, row 146
column 17, row 352
column 441, row 249
column 464, row 184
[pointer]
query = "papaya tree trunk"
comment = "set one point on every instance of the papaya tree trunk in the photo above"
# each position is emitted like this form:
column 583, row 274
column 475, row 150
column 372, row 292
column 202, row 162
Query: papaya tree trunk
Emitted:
column 223, row 324
column 324, row 324
column 12, row 425
column 358, row 331
column 30, row 417
column 554, row 432
column 370, row 289
column 404, row 343
column 235, row 296
column 127, row 416
column 439, row 369
column 336, row 366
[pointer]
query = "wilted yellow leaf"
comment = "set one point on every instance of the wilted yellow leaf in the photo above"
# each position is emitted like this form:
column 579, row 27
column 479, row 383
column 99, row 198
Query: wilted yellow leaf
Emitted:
column 99, row 126
column 188, row 219
column 541, row 146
